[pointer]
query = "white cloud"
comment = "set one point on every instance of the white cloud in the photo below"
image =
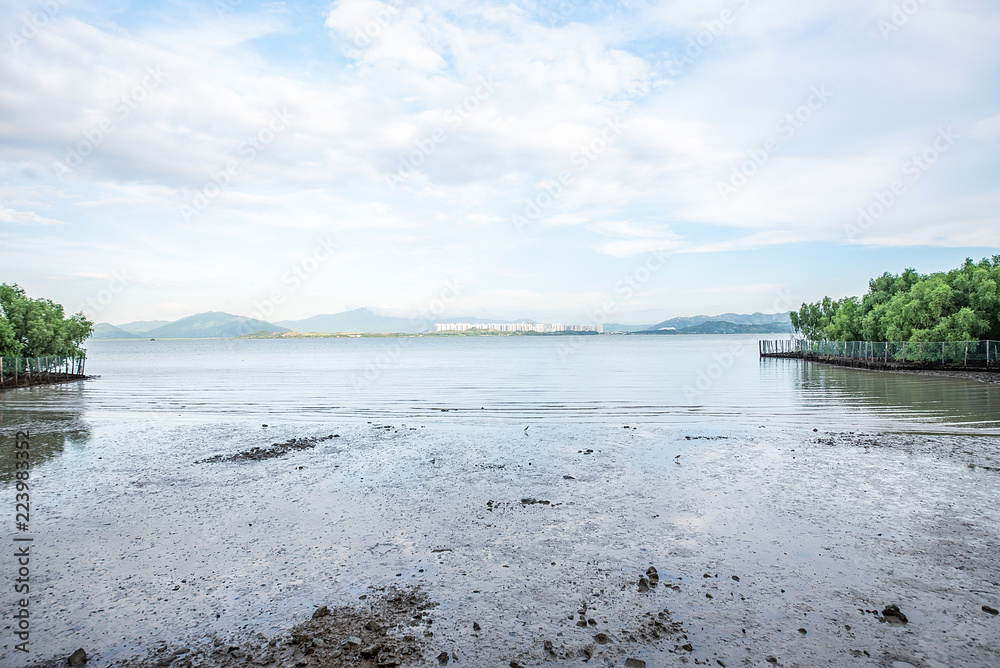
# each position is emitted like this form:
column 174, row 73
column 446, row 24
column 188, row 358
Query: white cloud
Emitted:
column 15, row 217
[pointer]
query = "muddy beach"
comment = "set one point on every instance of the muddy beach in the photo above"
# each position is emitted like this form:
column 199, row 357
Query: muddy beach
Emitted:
column 433, row 544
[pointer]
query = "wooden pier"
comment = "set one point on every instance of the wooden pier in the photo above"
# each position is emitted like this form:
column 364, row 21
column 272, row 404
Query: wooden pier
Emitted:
column 889, row 355
column 43, row 370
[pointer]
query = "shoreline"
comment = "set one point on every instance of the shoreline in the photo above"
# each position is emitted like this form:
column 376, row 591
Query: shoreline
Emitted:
column 62, row 380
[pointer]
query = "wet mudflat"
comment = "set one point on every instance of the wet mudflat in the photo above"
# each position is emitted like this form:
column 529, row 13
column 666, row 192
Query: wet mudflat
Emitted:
column 771, row 546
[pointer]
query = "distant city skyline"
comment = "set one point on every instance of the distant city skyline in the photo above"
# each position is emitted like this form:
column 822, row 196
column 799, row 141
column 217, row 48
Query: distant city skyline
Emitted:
column 567, row 162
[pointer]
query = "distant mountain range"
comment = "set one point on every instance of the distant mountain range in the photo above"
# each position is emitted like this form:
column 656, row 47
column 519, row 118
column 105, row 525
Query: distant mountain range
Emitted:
column 725, row 327
column 216, row 324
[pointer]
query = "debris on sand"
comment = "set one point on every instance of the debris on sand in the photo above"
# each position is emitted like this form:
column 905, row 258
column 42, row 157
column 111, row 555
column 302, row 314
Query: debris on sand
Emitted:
column 891, row 613
column 374, row 634
column 258, row 453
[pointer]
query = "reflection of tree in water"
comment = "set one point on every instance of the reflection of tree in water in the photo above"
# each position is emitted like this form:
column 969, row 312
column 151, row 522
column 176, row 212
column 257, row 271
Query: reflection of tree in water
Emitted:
column 949, row 399
column 51, row 415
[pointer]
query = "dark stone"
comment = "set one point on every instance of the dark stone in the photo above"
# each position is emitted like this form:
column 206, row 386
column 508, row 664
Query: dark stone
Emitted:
column 443, row 658
column 78, row 658
column 476, row 626
column 634, row 663
column 992, row 611
column 894, row 612
column 643, row 583
column 771, row 659
column 736, row 578
column 687, row 647
column 802, row 631
column 602, row 639
column 321, row 611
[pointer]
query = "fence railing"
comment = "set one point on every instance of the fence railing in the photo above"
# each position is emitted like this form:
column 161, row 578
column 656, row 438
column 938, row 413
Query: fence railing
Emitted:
column 981, row 354
column 23, row 371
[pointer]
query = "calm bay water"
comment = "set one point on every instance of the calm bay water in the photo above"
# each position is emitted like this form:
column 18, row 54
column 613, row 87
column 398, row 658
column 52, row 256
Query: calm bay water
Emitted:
column 683, row 379
column 138, row 540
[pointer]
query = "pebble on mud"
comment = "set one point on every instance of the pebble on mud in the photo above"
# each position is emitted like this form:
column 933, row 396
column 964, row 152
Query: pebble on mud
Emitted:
column 653, row 576
column 78, row 658
column 893, row 613
column 992, row 611
column 443, row 658
column 321, row 611
column 476, row 626
column 634, row 663
column 643, row 583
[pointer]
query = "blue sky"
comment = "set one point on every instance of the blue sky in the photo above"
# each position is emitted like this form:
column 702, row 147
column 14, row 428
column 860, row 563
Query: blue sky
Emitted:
column 289, row 159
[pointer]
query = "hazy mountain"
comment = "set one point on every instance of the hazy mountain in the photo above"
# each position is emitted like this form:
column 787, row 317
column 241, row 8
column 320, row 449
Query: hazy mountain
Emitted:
column 368, row 321
column 103, row 330
column 211, row 325
column 725, row 327
column 734, row 318
column 358, row 320
column 616, row 327
column 142, row 326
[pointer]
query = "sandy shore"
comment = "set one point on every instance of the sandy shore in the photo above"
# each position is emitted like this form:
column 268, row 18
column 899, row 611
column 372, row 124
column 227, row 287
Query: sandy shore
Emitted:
column 500, row 546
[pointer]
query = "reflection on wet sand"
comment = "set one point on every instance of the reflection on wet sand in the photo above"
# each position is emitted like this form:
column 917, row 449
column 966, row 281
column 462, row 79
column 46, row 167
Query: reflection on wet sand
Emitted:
column 30, row 410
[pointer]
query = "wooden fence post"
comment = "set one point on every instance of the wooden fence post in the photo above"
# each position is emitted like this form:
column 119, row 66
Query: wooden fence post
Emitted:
column 966, row 354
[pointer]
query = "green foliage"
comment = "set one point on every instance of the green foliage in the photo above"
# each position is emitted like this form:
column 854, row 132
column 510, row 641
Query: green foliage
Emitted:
column 36, row 327
column 960, row 305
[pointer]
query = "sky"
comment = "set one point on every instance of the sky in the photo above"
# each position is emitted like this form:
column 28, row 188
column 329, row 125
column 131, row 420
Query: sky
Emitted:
column 566, row 161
